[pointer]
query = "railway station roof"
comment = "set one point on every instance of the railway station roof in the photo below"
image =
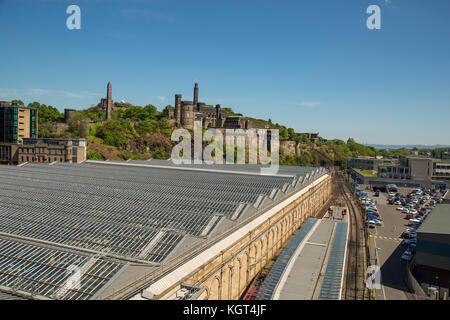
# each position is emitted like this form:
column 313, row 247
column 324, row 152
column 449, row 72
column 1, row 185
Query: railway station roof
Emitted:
column 119, row 221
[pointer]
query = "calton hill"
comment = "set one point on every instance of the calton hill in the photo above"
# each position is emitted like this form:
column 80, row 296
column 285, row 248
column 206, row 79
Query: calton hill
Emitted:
column 137, row 132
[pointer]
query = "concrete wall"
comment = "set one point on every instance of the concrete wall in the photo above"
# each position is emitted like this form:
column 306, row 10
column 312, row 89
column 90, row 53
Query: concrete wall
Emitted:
column 227, row 275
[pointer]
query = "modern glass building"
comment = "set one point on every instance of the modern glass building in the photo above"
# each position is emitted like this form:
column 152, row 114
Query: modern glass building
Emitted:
column 17, row 122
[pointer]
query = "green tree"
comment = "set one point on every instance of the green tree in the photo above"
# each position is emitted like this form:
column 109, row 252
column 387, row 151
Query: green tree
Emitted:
column 48, row 113
column 79, row 125
column 93, row 155
column 112, row 132
column 19, row 102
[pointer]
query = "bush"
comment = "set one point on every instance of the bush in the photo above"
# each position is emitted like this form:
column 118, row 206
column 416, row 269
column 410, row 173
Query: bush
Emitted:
column 93, row 155
column 128, row 155
column 112, row 132
column 159, row 154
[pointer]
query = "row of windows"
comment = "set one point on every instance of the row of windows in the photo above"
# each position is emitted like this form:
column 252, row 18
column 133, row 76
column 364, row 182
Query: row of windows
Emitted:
column 43, row 150
column 40, row 159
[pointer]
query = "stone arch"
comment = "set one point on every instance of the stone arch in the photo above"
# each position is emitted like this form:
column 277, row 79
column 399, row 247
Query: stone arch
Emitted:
column 215, row 288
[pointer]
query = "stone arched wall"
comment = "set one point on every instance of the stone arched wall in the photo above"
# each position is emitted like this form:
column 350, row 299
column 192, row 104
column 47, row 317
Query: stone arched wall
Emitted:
column 228, row 276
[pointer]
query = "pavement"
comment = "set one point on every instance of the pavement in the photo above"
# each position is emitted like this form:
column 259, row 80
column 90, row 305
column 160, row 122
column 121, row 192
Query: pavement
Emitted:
column 388, row 258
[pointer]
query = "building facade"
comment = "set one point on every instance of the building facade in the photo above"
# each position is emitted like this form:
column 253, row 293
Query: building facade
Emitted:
column 51, row 150
column 418, row 168
column 8, row 153
column 17, row 122
column 369, row 163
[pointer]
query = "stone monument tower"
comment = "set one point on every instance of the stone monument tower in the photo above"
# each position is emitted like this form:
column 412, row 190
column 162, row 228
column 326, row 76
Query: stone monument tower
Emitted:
column 107, row 103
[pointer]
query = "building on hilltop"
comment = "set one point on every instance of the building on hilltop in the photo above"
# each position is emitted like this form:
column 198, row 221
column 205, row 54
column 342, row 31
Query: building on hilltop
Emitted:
column 186, row 112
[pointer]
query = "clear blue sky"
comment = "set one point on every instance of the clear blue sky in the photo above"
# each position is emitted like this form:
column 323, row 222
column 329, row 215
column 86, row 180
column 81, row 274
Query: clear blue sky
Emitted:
column 310, row 65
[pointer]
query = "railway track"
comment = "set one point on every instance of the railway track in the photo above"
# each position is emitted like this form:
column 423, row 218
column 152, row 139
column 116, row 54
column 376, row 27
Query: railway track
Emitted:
column 355, row 288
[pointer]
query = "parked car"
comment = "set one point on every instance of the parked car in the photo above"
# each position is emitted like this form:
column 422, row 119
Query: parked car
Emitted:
column 407, row 255
column 409, row 216
column 400, row 208
column 407, row 242
column 371, row 224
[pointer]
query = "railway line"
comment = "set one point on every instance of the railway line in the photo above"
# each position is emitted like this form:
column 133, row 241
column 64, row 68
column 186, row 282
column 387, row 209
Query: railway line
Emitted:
column 355, row 274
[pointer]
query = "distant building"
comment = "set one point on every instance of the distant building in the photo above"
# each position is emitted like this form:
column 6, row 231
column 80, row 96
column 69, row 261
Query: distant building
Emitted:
column 17, row 122
column 419, row 168
column 313, row 136
column 186, row 112
column 50, row 150
column 8, row 153
column 368, row 163
column 406, row 171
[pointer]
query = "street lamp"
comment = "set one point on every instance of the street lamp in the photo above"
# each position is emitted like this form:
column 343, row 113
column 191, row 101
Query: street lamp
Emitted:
column 376, row 257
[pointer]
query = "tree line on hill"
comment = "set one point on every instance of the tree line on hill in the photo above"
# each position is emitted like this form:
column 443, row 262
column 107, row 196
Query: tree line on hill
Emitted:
column 134, row 128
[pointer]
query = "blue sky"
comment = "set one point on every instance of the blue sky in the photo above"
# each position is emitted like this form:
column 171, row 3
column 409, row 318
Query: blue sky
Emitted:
column 310, row 65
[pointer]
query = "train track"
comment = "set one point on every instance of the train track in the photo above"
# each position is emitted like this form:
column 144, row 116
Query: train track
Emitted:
column 355, row 288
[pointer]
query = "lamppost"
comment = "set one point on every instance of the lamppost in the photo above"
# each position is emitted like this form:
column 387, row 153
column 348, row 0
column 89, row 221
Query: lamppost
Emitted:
column 376, row 257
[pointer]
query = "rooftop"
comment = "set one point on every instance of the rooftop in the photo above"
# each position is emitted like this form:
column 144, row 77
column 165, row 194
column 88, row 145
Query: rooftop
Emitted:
column 438, row 221
column 120, row 221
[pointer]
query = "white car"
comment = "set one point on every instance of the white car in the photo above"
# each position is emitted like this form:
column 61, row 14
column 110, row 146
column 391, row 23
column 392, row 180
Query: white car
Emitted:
column 407, row 255
column 378, row 222
column 413, row 211
column 371, row 224
column 400, row 208
column 405, row 210
column 397, row 202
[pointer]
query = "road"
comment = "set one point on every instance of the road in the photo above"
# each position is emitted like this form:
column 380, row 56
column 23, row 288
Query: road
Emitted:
column 387, row 238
